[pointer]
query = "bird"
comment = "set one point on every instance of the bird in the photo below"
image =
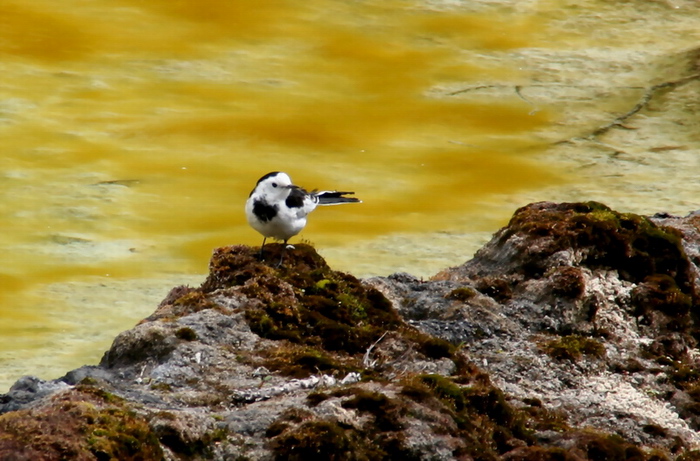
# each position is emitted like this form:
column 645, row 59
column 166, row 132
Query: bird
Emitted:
column 277, row 208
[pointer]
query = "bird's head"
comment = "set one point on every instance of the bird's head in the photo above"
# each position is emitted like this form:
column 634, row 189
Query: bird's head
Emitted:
column 275, row 185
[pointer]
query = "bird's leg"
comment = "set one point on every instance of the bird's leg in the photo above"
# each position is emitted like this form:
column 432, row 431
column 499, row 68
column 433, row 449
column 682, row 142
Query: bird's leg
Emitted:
column 284, row 250
column 261, row 248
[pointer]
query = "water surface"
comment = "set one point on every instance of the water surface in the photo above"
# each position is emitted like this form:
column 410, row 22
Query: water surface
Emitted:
column 132, row 132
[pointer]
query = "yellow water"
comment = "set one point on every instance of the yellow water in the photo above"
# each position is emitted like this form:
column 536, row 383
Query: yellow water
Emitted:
column 131, row 133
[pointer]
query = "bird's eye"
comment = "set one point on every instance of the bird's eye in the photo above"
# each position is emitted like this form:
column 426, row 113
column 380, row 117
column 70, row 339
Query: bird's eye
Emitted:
column 274, row 184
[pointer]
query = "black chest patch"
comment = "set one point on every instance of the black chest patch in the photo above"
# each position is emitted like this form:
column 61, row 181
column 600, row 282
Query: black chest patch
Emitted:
column 295, row 198
column 264, row 211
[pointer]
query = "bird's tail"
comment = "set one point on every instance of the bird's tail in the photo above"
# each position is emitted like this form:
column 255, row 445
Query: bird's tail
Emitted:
column 333, row 197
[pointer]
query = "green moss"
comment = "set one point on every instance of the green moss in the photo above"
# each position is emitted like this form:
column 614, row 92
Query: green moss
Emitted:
column 418, row 390
column 387, row 412
column 568, row 282
column 314, row 440
column 311, row 438
column 497, row 288
column 324, row 321
column 486, row 423
column 304, row 301
column 538, row 453
column 354, row 306
column 233, row 266
column 445, row 390
column 117, row 434
column 264, row 323
column 283, row 422
column 316, row 397
column 629, row 243
column 78, row 424
column 218, row 434
column 187, row 448
column 612, row 447
column 463, row 294
column 484, row 400
column 573, row 348
column 193, row 301
column 89, row 381
column 690, row 455
column 166, row 415
column 589, row 445
column 660, row 292
column 298, row 361
column 94, row 389
column 322, row 284
column 329, row 309
column 490, row 401
column 540, row 418
column 161, row 386
column 434, row 347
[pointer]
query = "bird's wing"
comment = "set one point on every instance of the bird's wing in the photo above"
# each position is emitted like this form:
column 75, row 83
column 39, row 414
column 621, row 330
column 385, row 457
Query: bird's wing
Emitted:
column 299, row 202
column 296, row 197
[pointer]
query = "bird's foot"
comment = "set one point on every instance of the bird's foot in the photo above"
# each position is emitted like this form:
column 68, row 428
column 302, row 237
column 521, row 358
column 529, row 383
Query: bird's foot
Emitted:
column 279, row 263
column 284, row 252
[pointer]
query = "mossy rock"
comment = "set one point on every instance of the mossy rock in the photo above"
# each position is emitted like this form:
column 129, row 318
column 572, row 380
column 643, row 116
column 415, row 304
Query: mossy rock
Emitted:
column 485, row 425
column 630, row 243
column 303, row 301
column 462, row 294
column 660, row 292
column 642, row 252
column 484, row 420
column 82, row 424
column 318, row 440
column 299, row 361
column 573, row 348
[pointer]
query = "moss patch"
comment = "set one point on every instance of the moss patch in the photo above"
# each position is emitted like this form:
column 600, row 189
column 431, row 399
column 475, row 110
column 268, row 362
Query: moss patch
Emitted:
column 481, row 410
column 573, row 348
column 476, row 418
column 489, row 427
column 662, row 304
column 627, row 242
column 317, row 440
column 298, row 361
column 568, row 282
column 78, row 424
column 483, row 424
column 463, row 294
column 182, row 301
column 304, row 301
column 380, row 438
column 497, row 288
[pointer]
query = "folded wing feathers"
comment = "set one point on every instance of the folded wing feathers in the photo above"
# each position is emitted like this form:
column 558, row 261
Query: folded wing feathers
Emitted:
column 333, row 197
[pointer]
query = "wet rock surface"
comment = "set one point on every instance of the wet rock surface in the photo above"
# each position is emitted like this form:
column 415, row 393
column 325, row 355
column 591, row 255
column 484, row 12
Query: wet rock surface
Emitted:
column 571, row 335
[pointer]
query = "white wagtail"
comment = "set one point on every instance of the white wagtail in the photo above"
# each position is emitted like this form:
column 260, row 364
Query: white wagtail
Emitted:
column 277, row 208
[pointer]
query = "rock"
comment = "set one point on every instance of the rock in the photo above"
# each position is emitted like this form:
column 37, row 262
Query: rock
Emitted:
column 589, row 311
column 26, row 390
column 571, row 335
